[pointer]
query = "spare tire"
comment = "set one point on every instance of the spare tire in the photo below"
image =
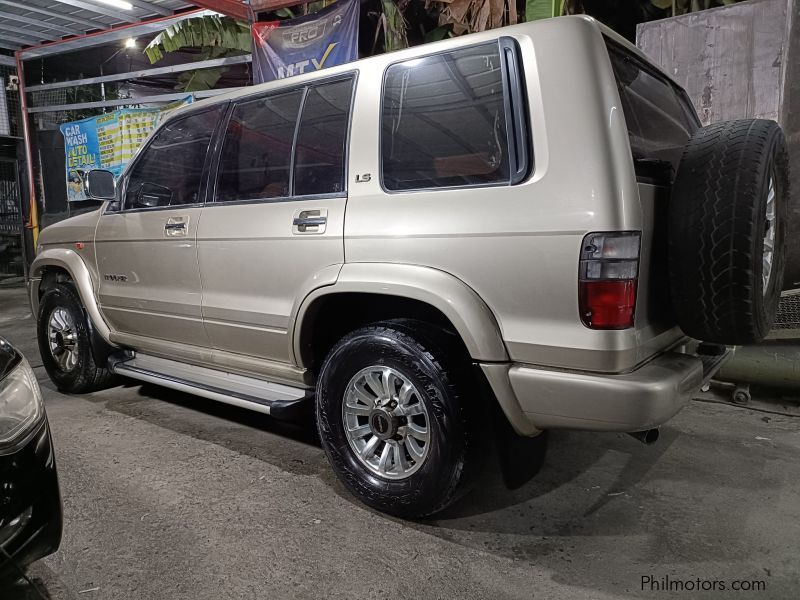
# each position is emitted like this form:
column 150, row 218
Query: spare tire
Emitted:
column 727, row 225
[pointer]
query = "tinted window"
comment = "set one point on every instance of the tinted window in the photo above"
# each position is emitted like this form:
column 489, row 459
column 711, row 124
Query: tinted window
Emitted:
column 257, row 151
column 444, row 121
column 319, row 162
column 170, row 171
column 659, row 118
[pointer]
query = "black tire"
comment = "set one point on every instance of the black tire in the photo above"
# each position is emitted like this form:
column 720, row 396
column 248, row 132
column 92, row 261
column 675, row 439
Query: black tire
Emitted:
column 85, row 375
column 717, row 228
column 438, row 368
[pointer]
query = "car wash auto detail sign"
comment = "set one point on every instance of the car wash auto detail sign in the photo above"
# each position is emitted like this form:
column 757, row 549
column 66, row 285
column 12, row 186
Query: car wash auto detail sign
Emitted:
column 106, row 142
column 304, row 44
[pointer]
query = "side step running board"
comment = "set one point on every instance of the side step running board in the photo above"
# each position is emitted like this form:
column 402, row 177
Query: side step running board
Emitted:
column 275, row 399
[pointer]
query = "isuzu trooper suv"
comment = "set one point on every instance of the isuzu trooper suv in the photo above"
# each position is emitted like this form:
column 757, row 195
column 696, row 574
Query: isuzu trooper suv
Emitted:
column 530, row 218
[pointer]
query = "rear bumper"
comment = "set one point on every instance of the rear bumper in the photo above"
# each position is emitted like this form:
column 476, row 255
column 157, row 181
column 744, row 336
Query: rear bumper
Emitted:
column 641, row 399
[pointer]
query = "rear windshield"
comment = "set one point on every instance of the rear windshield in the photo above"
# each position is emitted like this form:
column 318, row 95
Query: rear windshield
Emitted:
column 659, row 116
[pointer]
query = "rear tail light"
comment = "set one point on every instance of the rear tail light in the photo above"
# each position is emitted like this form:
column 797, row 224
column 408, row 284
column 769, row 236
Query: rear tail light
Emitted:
column 607, row 276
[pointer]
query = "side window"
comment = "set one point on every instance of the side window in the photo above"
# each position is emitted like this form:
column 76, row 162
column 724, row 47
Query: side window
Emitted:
column 257, row 152
column 444, row 121
column 170, row 171
column 659, row 119
column 322, row 138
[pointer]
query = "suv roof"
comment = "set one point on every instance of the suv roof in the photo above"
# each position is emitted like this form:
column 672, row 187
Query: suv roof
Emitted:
column 385, row 59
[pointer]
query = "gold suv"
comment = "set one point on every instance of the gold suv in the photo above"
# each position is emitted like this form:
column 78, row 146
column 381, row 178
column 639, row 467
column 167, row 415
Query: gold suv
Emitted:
column 530, row 218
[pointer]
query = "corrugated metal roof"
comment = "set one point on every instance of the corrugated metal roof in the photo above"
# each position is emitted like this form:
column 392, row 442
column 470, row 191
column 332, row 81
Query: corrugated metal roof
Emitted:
column 26, row 23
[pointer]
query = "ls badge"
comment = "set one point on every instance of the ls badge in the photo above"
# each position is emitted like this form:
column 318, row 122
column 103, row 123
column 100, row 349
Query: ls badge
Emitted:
column 363, row 178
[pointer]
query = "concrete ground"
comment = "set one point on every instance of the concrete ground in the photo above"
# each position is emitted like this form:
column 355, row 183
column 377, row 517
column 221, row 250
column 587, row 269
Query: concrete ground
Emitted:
column 169, row 496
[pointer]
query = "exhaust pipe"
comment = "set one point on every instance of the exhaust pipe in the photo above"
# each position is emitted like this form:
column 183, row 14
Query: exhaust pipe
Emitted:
column 647, row 437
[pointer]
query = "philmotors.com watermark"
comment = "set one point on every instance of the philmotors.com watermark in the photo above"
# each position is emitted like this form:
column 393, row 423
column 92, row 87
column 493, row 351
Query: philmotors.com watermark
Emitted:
column 651, row 583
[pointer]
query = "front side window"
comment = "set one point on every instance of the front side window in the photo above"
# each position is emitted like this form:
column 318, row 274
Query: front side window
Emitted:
column 267, row 153
column 257, row 152
column 170, row 170
column 444, row 121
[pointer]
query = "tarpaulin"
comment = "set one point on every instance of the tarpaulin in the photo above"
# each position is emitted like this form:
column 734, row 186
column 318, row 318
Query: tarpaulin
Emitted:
column 107, row 142
column 323, row 39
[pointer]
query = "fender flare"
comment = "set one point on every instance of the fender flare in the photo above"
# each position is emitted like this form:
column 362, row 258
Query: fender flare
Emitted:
column 460, row 304
column 73, row 264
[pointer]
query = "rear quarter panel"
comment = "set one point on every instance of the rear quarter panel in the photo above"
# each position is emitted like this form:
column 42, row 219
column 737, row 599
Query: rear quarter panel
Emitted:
column 518, row 247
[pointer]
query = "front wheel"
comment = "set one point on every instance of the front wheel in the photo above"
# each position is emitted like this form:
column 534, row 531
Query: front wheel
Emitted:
column 393, row 417
column 64, row 342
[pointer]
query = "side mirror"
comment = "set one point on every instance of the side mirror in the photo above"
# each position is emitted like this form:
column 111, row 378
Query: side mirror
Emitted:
column 99, row 185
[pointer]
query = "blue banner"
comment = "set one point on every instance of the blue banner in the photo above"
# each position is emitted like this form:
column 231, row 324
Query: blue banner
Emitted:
column 323, row 39
column 107, row 142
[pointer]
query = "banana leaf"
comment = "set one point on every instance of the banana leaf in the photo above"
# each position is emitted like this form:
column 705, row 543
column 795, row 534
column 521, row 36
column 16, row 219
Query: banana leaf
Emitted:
column 201, row 32
column 543, row 9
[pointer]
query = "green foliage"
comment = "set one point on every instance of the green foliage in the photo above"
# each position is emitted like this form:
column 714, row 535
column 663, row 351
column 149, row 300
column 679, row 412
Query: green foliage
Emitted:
column 440, row 33
column 393, row 25
column 543, row 9
column 201, row 32
column 217, row 37
column 200, row 79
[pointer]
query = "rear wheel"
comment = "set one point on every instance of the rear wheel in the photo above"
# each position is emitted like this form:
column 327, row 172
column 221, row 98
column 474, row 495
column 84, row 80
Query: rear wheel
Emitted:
column 393, row 414
column 727, row 229
column 64, row 343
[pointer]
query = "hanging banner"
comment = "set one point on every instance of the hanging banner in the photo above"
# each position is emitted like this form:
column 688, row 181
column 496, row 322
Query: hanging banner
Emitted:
column 107, row 142
column 326, row 38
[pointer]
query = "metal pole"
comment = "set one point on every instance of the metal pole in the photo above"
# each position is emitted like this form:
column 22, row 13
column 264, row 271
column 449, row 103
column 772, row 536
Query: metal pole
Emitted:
column 103, row 86
column 26, row 259
column 33, row 214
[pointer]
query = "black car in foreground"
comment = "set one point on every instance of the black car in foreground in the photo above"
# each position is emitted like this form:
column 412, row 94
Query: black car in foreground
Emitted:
column 30, row 502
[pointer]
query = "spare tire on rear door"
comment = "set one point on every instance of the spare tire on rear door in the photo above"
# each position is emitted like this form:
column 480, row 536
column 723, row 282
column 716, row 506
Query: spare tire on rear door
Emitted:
column 727, row 221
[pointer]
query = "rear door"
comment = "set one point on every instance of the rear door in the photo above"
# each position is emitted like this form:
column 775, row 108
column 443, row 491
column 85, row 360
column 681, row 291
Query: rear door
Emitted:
column 146, row 249
column 276, row 222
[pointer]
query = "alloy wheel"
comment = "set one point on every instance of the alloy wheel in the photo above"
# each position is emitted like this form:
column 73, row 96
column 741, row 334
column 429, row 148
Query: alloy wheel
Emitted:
column 386, row 422
column 63, row 339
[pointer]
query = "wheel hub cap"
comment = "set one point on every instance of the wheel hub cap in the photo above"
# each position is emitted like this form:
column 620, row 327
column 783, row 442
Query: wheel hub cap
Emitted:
column 383, row 423
column 386, row 422
column 63, row 339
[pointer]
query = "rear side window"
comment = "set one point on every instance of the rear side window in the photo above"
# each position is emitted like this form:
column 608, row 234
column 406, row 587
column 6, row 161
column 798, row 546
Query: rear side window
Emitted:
column 444, row 121
column 287, row 144
column 659, row 117
column 257, row 152
column 170, row 170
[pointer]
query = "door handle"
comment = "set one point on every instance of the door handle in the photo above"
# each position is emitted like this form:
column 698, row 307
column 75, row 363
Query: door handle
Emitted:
column 176, row 226
column 307, row 221
column 311, row 221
